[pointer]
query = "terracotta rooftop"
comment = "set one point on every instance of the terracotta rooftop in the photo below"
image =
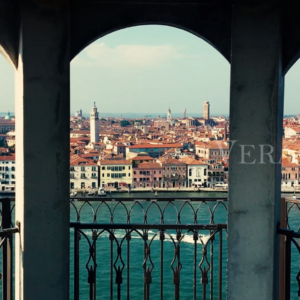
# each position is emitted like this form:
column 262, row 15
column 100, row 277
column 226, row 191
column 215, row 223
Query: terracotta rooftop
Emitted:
column 139, row 146
column 115, row 162
column 7, row 157
column 146, row 157
column 149, row 165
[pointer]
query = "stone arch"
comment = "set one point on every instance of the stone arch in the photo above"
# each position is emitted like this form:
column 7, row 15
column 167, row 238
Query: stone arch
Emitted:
column 9, row 34
column 211, row 23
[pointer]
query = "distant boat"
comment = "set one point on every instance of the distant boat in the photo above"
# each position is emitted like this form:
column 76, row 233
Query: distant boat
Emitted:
column 73, row 194
column 92, row 192
column 101, row 192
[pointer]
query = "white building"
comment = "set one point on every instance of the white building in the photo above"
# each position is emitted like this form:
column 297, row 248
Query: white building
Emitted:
column 197, row 172
column 94, row 125
column 291, row 132
column 83, row 173
column 7, row 173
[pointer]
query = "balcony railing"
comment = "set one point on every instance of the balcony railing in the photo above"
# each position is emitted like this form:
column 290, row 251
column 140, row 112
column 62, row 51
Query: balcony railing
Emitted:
column 159, row 248
column 126, row 248
column 289, row 229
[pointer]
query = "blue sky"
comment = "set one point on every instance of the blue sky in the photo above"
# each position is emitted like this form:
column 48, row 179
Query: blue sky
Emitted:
column 147, row 69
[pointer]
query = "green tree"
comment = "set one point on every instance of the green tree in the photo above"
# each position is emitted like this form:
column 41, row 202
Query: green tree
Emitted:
column 125, row 123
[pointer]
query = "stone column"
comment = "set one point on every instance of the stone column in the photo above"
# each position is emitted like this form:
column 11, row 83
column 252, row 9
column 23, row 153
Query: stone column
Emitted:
column 256, row 113
column 42, row 151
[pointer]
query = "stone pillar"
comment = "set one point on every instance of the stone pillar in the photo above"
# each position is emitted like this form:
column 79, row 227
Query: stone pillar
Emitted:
column 256, row 113
column 42, row 151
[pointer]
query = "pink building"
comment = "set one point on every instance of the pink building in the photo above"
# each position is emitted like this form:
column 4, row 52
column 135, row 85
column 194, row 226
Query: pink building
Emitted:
column 147, row 174
column 174, row 172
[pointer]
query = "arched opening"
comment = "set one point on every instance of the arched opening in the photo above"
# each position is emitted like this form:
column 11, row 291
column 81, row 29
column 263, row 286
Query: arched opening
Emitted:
column 7, row 126
column 291, row 130
column 159, row 97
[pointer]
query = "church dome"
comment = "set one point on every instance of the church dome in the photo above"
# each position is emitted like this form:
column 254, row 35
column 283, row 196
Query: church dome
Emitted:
column 8, row 117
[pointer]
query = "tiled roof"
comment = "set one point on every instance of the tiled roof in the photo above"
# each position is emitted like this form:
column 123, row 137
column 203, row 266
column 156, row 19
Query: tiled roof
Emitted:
column 139, row 146
column 149, row 165
column 7, row 157
column 146, row 157
column 115, row 162
column 191, row 161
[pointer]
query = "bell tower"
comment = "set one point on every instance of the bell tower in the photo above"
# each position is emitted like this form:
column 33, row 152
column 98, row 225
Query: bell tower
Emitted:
column 94, row 125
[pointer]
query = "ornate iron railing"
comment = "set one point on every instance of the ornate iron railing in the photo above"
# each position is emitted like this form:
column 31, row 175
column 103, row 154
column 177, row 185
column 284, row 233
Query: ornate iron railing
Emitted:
column 153, row 230
column 163, row 227
column 289, row 229
column 6, row 245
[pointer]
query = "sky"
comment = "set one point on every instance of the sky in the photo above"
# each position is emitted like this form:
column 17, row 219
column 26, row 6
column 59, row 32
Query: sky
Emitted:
column 147, row 69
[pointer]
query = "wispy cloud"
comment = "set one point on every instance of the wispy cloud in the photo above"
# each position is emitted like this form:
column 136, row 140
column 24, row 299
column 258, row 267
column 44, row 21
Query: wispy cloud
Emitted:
column 127, row 55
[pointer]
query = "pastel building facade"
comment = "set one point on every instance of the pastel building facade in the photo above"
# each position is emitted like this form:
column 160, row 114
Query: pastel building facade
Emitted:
column 147, row 174
column 7, row 173
column 197, row 172
column 115, row 173
column 84, row 174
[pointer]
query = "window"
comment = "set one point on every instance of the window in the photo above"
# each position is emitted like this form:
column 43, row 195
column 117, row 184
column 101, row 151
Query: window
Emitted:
column 13, row 182
column 129, row 174
column 141, row 172
column 134, row 179
column 204, row 172
column 154, row 172
column 293, row 169
column 108, row 174
column 148, row 172
column 6, row 169
column 6, row 176
column 72, row 169
column 154, row 178
column 123, row 168
column 72, row 176
column 82, row 168
column 190, row 172
column 103, row 168
column 93, row 168
column 134, row 172
column 129, row 168
column 108, row 168
column 83, row 175
column 13, row 168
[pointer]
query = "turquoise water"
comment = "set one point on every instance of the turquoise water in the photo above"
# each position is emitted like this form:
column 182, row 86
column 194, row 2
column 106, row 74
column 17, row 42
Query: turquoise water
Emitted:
column 137, row 251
